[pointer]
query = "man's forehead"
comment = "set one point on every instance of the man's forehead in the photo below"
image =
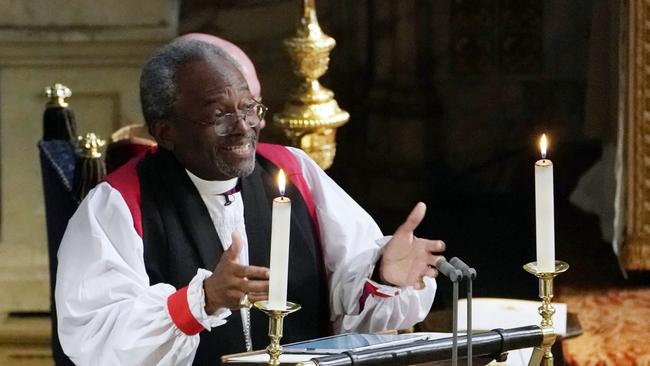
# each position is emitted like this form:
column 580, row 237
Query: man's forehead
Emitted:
column 226, row 90
column 209, row 82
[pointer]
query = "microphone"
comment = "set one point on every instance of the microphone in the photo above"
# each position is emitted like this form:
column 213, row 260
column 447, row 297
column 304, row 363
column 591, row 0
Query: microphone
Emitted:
column 448, row 270
column 454, row 275
column 470, row 274
column 463, row 267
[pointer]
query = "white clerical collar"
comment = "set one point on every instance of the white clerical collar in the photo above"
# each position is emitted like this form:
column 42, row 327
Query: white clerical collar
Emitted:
column 212, row 187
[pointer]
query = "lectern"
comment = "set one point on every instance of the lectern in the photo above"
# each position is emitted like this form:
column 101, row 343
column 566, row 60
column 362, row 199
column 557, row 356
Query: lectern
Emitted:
column 487, row 346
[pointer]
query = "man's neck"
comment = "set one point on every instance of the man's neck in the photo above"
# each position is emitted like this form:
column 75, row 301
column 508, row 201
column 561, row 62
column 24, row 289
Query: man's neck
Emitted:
column 212, row 187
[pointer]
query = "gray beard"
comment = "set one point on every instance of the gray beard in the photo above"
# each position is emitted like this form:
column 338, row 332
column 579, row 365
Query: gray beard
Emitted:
column 230, row 171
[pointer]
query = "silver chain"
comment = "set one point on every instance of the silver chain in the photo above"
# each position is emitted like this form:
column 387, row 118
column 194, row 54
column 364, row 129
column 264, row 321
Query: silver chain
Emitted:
column 247, row 330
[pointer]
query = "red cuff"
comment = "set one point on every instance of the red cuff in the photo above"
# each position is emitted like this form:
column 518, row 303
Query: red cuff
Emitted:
column 370, row 289
column 179, row 310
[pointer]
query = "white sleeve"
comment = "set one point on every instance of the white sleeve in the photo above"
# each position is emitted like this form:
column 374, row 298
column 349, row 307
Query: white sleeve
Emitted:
column 108, row 314
column 352, row 243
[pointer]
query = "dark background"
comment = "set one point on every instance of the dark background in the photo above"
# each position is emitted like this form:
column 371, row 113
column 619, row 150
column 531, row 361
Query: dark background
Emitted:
column 447, row 101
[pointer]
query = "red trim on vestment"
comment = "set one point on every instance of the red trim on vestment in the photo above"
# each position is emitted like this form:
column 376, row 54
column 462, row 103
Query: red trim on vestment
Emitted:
column 179, row 310
column 126, row 181
column 281, row 157
column 370, row 289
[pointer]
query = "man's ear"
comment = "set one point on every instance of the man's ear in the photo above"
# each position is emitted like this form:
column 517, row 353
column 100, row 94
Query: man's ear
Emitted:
column 163, row 131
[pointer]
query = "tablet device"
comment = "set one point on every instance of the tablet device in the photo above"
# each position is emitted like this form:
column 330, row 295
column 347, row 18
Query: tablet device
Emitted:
column 350, row 342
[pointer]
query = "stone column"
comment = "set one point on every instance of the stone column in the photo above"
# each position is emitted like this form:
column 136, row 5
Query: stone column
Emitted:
column 96, row 49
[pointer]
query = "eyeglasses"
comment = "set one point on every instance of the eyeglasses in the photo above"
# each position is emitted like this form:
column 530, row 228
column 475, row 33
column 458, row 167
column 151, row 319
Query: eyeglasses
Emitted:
column 225, row 123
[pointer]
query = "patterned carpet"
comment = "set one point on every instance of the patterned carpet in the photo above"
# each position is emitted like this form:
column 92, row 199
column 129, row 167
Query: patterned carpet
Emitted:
column 616, row 326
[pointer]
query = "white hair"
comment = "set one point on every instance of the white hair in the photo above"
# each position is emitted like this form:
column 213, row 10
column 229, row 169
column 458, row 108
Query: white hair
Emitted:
column 158, row 78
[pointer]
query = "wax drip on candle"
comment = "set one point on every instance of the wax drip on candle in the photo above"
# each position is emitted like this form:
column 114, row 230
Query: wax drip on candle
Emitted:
column 543, row 144
column 281, row 182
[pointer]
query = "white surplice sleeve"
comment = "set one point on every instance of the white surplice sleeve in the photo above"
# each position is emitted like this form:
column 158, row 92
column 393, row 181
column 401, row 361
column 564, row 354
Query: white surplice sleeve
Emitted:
column 108, row 314
column 352, row 243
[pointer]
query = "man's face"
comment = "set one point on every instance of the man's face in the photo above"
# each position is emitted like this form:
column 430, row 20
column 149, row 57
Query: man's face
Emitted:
column 205, row 90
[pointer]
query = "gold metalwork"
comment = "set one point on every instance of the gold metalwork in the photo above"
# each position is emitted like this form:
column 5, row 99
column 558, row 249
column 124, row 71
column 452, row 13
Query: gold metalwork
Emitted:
column 636, row 92
column 57, row 95
column 542, row 354
column 276, row 318
column 90, row 145
column 307, row 363
column 311, row 115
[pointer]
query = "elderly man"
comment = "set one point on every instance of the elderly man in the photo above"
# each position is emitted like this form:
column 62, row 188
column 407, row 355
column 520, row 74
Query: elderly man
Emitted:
column 155, row 262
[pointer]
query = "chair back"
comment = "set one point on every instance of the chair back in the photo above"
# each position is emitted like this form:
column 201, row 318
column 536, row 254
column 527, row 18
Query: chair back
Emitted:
column 69, row 170
column 127, row 143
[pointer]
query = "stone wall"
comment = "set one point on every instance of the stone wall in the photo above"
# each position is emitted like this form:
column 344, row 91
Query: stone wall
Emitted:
column 96, row 49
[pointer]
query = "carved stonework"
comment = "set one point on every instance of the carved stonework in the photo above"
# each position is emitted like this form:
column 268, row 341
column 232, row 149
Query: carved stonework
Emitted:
column 636, row 249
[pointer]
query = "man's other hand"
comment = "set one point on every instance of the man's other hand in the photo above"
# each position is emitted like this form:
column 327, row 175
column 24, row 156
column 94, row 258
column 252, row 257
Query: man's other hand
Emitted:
column 230, row 281
column 407, row 258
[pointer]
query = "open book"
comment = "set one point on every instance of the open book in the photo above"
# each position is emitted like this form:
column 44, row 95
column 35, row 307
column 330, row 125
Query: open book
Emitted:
column 491, row 313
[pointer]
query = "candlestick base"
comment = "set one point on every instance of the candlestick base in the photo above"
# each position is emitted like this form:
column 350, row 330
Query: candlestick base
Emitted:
column 276, row 319
column 542, row 354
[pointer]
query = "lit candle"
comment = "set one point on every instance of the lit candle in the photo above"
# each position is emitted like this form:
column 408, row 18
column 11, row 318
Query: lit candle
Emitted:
column 280, row 221
column 544, row 219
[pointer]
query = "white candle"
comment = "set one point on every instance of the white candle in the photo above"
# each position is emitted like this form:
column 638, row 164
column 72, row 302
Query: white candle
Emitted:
column 280, row 221
column 544, row 212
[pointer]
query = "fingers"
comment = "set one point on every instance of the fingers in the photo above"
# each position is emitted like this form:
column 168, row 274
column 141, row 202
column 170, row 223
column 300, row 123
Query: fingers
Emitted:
column 413, row 219
column 429, row 250
column 255, row 286
column 230, row 280
column 254, row 297
column 252, row 272
column 434, row 246
column 430, row 272
column 253, row 279
column 420, row 284
column 228, row 293
column 250, row 292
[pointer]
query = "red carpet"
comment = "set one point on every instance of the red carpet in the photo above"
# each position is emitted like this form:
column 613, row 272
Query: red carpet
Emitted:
column 616, row 326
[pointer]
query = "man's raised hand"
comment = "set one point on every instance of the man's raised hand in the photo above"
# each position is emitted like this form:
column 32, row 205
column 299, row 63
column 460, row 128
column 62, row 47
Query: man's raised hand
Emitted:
column 230, row 281
column 406, row 258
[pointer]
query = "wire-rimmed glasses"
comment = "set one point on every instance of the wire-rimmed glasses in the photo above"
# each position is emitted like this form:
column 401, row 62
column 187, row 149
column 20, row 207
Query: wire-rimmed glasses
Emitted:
column 225, row 123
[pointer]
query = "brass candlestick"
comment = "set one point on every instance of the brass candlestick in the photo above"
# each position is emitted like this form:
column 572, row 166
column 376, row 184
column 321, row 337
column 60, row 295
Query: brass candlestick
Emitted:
column 276, row 318
column 542, row 355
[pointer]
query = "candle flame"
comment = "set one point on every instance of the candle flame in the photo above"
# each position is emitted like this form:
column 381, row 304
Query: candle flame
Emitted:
column 543, row 145
column 282, row 181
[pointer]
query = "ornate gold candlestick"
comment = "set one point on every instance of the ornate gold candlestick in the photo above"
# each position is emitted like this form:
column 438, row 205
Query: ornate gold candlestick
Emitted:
column 276, row 318
column 542, row 355
column 311, row 115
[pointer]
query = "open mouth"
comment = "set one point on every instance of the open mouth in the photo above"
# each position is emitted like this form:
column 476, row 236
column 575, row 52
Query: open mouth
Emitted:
column 243, row 149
